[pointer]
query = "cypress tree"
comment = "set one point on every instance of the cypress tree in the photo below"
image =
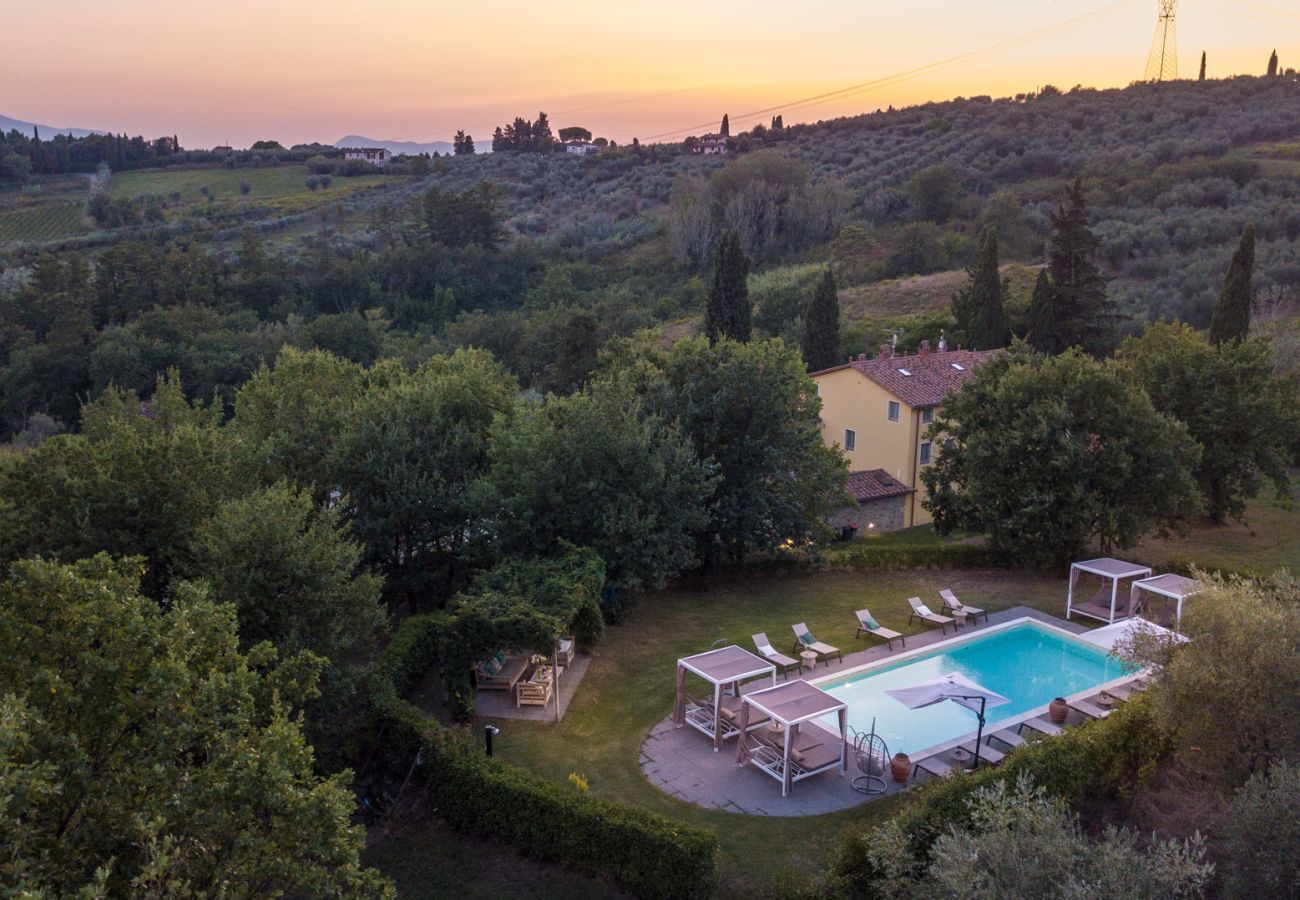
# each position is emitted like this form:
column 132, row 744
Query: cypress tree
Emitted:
column 1079, row 313
column 1272, row 63
column 1202, row 76
column 1040, row 311
column 726, row 123
column 978, row 307
column 821, row 325
column 728, row 313
column 1231, row 321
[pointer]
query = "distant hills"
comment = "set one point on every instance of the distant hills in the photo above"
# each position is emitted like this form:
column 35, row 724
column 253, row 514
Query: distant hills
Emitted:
column 411, row 148
column 7, row 124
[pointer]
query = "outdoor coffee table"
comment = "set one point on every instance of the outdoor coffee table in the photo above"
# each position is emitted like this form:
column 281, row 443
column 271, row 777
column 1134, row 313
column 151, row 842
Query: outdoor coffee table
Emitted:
column 809, row 660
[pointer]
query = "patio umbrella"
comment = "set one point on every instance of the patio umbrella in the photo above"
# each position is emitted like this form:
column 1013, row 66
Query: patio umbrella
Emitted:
column 955, row 687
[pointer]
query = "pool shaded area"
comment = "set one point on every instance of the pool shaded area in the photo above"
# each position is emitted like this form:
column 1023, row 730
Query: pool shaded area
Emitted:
column 1026, row 661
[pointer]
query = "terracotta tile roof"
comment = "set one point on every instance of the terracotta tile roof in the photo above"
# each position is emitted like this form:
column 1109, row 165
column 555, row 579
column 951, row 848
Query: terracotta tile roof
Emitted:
column 875, row 484
column 923, row 379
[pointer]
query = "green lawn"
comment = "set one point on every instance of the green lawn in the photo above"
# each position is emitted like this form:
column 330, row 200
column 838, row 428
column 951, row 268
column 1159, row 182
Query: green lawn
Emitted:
column 430, row 861
column 629, row 688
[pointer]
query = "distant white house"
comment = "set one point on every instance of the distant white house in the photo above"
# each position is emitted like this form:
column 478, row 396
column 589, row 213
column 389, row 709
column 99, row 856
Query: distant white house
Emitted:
column 580, row 148
column 378, row 156
column 712, row 143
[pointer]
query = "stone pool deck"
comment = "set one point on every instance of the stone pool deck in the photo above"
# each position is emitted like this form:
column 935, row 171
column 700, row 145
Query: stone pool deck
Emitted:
column 681, row 761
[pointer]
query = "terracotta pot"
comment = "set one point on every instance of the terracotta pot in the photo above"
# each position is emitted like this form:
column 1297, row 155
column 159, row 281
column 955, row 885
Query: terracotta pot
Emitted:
column 1058, row 710
column 900, row 767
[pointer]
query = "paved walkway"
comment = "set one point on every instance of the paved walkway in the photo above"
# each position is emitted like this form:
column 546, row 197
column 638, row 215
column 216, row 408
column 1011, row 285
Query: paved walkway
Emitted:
column 681, row 761
column 501, row 704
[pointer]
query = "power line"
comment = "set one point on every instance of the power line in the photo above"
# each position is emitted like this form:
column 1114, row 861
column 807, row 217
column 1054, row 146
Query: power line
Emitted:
column 908, row 73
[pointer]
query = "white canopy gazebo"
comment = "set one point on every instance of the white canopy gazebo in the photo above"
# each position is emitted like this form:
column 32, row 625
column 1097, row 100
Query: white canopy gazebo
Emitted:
column 801, row 754
column 1174, row 587
column 723, row 667
column 1109, row 637
column 1102, row 604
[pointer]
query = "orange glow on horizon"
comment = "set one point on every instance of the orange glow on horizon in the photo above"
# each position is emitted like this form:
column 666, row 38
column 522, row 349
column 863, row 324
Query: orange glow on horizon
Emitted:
column 295, row 71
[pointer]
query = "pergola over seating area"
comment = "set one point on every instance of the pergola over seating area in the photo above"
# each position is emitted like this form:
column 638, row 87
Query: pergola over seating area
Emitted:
column 800, row 754
column 724, row 667
column 1170, row 586
column 1101, row 604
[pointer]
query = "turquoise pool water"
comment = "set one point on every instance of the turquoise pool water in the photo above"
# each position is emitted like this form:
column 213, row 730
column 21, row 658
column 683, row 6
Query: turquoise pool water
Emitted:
column 1027, row 662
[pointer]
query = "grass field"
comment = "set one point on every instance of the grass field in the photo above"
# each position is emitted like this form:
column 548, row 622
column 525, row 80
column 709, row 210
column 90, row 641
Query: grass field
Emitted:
column 270, row 183
column 629, row 688
column 923, row 294
column 48, row 209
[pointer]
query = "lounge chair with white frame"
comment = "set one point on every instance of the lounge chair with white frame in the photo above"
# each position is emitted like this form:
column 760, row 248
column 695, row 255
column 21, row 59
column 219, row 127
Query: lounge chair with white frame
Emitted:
column 953, row 605
column 922, row 612
column 772, row 655
column 867, row 624
column 803, row 640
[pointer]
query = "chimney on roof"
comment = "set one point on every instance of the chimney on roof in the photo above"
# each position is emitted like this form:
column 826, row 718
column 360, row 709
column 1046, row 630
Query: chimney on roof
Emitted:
column 862, row 357
column 886, row 351
column 943, row 341
column 925, row 348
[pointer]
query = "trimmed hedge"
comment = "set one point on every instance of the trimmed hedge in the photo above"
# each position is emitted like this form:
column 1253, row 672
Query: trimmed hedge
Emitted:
column 1106, row 757
column 651, row 855
column 867, row 554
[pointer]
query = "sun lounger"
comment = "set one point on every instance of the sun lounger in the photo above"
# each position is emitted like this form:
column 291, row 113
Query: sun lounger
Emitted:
column 933, row 766
column 803, row 640
column 1041, row 725
column 1011, row 740
column 868, row 625
column 500, row 673
column 808, row 753
column 1091, row 710
column 922, row 612
column 953, row 605
column 988, row 755
column 770, row 653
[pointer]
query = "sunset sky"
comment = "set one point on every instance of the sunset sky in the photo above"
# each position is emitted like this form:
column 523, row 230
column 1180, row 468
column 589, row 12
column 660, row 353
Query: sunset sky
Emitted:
column 241, row 70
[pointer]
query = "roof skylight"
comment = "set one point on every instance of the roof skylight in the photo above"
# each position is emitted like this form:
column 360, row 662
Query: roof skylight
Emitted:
column 958, row 366
column 904, row 372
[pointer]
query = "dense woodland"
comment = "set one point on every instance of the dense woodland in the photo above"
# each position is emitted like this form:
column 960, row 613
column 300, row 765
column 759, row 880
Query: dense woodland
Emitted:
column 509, row 396
column 542, row 258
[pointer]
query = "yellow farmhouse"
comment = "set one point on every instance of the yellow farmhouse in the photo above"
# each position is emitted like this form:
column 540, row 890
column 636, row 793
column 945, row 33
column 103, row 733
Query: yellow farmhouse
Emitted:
column 877, row 412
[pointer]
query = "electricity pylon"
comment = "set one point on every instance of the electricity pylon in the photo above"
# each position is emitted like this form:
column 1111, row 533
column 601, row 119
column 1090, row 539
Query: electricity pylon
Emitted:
column 1162, row 62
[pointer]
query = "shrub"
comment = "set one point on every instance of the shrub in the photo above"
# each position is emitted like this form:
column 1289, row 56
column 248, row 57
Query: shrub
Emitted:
column 1261, row 836
column 653, row 856
column 1113, row 756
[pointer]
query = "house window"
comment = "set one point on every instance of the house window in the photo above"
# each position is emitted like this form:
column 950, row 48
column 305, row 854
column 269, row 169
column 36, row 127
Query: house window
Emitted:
column 927, row 416
column 850, row 438
column 925, row 453
column 893, row 410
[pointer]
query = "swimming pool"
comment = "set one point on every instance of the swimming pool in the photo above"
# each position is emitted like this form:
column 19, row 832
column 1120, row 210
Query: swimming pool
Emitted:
column 1028, row 661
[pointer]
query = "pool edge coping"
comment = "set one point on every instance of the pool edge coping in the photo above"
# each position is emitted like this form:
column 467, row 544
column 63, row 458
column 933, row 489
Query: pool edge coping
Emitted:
column 990, row 728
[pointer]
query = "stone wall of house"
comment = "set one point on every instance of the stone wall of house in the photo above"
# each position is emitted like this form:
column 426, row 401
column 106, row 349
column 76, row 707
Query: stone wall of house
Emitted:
column 886, row 513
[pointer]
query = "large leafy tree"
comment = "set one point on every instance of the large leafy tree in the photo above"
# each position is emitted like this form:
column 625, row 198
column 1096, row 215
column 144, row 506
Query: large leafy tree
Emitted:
column 751, row 411
column 410, row 448
column 288, row 417
column 1234, row 405
column 293, row 573
column 141, row 753
column 821, row 325
column 1231, row 695
column 1079, row 313
column 1048, row 454
column 1231, row 320
column 978, row 307
column 598, row 470
column 728, row 314
column 139, row 480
